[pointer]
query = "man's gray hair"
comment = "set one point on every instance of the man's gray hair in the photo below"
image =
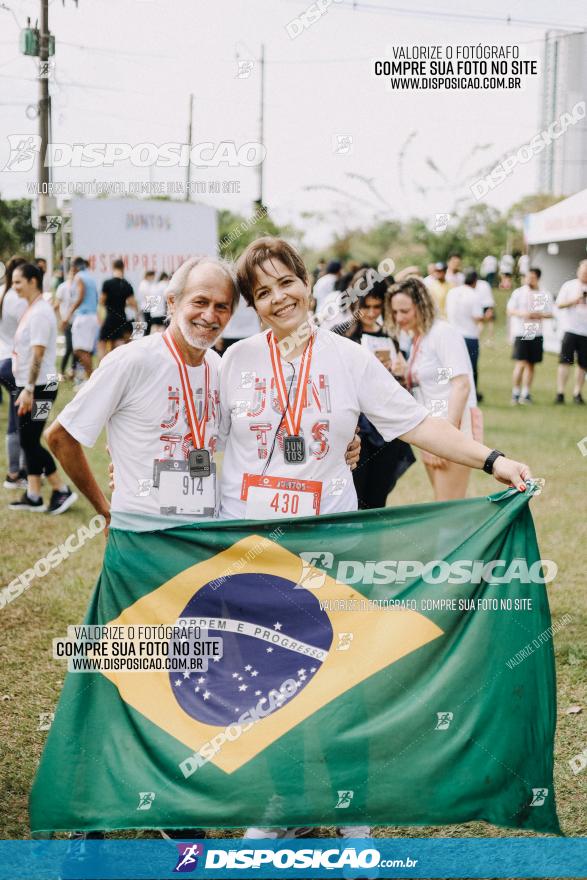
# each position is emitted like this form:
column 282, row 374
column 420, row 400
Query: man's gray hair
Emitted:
column 179, row 279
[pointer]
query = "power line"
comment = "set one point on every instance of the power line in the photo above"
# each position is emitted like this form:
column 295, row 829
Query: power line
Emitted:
column 455, row 16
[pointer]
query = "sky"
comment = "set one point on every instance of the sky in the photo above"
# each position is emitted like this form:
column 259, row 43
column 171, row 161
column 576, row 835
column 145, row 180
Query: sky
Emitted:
column 124, row 70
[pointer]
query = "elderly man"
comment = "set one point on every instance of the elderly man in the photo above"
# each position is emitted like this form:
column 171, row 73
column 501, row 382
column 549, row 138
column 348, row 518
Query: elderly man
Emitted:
column 158, row 398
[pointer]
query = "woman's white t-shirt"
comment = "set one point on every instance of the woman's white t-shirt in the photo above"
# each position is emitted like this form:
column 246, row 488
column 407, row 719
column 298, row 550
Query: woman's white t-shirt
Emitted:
column 441, row 355
column 13, row 308
column 38, row 326
column 344, row 380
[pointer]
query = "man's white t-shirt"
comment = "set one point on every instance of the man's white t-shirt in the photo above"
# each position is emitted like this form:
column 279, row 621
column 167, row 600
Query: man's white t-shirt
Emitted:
column 489, row 265
column 65, row 295
column 525, row 299
column 37, row 327
column 13, row 308
column 144, row 290
column 243, row 323
column 574, row 318
column 463, row 305
column 441, row 356
column 345, row 379
column 322, row 288
column 455, row 278
column 137, row 394
column 157, row 304
column 485, row 294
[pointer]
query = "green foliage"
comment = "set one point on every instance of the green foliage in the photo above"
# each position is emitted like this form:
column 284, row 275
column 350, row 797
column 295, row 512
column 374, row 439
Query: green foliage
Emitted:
column 17, row 235
column 478, row 231
column 235, row 232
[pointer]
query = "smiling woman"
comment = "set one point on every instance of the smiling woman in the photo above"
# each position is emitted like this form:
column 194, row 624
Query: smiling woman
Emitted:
column 291, row 397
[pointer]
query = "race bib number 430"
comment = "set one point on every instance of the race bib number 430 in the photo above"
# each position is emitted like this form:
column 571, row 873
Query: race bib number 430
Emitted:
column 280, row 497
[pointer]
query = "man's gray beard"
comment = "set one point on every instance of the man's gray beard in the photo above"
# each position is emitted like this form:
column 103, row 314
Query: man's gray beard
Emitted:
column 191, row 336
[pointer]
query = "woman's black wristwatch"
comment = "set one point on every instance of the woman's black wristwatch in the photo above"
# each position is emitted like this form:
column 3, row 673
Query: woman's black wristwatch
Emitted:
column 490, row 460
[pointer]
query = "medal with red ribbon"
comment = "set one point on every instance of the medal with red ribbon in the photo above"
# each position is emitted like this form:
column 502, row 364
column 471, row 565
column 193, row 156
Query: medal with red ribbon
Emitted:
column 411, row 378
column 294, row 445
column 199, row 457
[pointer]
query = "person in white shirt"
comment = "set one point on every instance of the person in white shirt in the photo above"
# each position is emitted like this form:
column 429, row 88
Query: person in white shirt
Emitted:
column 527, row 307
column 464, row 310
column 439, row 375
column 454, row 275
column 244, row 323
column 506, row 269
column 145, row 292
column 158, row 398
column 572, row 302
column 489, row 269
column 156, row 304
column 65, row 296
column 33, row 365
column 325, row 284
column 487, row 301
column 12, row 308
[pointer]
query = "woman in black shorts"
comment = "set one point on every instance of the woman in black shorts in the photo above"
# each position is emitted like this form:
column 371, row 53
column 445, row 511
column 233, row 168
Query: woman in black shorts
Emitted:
column 117, row 295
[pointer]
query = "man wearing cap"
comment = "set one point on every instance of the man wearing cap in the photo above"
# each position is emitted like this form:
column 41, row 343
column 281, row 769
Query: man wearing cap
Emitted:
column 438, row 286
column 325, row 285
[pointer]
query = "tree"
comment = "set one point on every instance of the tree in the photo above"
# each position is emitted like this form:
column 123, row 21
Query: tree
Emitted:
column 235, row 232
column 16, row 230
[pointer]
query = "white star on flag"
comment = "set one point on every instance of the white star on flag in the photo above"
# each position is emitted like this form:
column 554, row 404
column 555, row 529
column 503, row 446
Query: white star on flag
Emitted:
column 277, row 625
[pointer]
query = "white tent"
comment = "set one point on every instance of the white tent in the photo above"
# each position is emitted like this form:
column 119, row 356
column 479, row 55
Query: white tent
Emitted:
column 557, row 242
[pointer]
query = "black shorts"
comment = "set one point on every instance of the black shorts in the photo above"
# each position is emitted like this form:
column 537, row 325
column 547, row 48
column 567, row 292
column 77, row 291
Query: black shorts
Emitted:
column 114, row 327
column 158, row 321
column 529, row 350
column 573, row 344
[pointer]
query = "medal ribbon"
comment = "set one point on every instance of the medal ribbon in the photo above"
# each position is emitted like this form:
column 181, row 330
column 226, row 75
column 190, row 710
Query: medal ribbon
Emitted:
column 411, row 361
column 197, row 426
column 293, row 419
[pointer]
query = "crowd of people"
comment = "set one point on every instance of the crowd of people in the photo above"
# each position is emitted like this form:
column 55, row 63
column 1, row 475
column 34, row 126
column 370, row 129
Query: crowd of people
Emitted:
column 423, row 331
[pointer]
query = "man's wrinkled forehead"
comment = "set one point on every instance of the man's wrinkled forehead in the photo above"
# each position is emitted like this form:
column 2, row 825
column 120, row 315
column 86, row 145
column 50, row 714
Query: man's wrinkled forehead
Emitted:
column 207, row 278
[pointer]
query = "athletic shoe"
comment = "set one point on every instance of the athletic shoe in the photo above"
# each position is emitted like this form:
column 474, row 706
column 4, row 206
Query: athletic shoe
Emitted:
column 350, row 832
column 15, row 482
column 253, row 833
column 515, row 399
column 61, row 501
column 526, row 399
column 560, row 398
column 577, row 398
column 26, row 503
column 182, row 833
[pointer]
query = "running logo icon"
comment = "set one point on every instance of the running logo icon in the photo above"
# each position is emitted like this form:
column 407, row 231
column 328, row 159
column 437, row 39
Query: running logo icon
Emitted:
column 23, row 152
column 187, row 861
column 344, row 799
column 539, row 796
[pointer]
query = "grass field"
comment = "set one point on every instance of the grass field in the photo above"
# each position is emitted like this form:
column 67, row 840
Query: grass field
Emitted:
column 543, row 435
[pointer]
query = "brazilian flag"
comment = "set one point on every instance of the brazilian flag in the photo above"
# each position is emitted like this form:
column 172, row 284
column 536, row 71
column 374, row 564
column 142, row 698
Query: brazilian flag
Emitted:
column 392, row 666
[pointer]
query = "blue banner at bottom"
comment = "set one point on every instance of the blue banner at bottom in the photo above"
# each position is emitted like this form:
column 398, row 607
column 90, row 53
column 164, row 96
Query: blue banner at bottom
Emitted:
column 321, row 858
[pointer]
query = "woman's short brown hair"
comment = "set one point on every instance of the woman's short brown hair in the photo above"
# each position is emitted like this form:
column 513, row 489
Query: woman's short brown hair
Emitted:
column 258, row 252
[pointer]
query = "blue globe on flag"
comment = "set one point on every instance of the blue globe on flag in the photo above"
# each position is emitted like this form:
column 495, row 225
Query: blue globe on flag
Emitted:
column 292, row 636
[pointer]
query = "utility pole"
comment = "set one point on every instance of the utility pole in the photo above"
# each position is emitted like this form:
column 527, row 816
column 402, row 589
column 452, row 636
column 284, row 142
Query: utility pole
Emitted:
column 259, row 201
column 188, row 171
column 45, row 201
